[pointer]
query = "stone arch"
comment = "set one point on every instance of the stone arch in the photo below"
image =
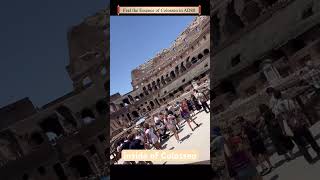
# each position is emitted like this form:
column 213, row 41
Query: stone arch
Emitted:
column 215, row 22
column 51, row 124
column 172, row 75
column 157, row 102
column 251, row 11
column 149, row 87
column 135, row 114
column 10, row 149
column 227, row 86
column 129, row 117
column 36, row 138
column 206, row 51
column 113, row 107
column 176, row 70
column 154, row 85
column 194, row 60
column 131, row 98
column 81, row 166
column 233, row 21
column 102, row 106
column 126, row 101
column 188, row 63
column 183, row 68
column 158, row 83
column 163, row 81
column 67, row 114
column 145, row 91
column 87, row 112
column 152, row 104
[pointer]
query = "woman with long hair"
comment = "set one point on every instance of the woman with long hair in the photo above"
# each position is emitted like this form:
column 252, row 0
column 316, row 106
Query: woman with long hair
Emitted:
column 169, row 121
column 185, row 114
column 258, row 149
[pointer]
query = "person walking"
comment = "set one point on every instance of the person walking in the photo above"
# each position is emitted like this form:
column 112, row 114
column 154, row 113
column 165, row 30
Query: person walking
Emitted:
column 256, row 143
column 202, row 99
column 196, row 102
column 190, row 107
column 169, row 121
column 282, row 143
column 294, row 124
column 185, row 114
column 151, row 136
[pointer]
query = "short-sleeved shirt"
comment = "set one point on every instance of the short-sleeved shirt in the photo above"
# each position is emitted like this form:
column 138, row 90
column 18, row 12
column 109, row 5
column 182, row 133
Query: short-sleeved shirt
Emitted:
column 153, row 137
column 289, row 111
column 200, row 96
column 170, row 122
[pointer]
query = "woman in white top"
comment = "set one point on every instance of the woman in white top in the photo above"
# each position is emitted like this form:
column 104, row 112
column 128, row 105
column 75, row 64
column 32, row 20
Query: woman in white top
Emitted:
column 151, row 136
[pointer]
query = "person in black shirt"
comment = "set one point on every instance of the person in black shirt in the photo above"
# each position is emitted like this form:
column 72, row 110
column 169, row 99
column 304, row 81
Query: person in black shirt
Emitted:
column 136, row 144
column 282, row 143
column 256, row 143
column 126, row 146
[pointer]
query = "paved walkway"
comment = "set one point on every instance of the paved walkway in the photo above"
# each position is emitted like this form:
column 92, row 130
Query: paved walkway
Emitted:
column 297, row 169
column 199, row 140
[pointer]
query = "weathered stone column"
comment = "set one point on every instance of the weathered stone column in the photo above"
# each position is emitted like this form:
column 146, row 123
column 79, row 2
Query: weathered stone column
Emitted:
column 239, row 6
column 270, row 72
column 261, row 5
column 222, row 16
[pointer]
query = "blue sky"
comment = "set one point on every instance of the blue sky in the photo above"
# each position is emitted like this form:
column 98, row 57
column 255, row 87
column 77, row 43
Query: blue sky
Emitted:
column 33, row 47
column 136, row 39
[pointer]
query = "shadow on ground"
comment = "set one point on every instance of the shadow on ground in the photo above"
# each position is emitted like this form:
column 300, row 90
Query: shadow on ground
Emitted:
column 186, row 137
column 275, row 177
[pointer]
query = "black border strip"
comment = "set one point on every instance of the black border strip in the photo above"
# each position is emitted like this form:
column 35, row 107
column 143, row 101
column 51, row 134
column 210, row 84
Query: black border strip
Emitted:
column 203, row 172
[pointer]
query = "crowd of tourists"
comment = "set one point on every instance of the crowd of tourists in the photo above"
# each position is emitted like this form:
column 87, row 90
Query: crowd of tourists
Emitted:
column 245, row 151
column 167, row 122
